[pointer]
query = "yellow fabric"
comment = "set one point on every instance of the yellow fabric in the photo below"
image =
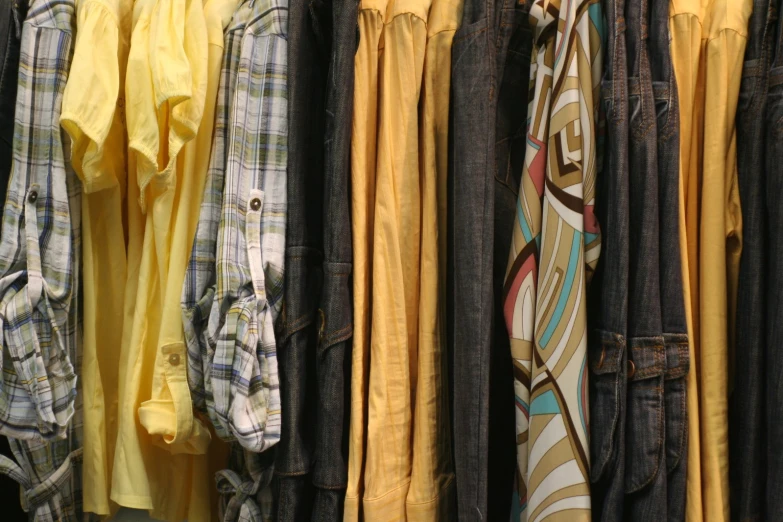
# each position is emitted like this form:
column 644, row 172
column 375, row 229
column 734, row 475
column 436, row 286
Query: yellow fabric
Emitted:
column 708, row 46
column 173, row 73
column 685, row 26
column 94, row 117
column 363, row 154
column 432, row 490
column 399, row 388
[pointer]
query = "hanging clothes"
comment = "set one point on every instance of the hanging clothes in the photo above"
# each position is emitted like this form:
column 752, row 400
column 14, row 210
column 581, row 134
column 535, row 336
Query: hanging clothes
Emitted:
column 554, row 250
column 94, row 117
column 39, row 279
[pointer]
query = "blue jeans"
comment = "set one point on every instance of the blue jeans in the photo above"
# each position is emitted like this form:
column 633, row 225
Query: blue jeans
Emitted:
column 747, row 414
column 490, row 71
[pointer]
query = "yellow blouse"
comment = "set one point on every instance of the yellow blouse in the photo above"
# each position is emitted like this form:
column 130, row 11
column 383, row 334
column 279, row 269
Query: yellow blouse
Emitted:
column 94, row 117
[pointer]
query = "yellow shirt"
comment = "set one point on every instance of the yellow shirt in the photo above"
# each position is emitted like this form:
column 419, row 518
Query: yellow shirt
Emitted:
column 708, row 47
column 396, row 255
column 720, row 241
column 171, row 88
column 363, row 154
column 94, row 117
column 432, row 491
column 685, row 26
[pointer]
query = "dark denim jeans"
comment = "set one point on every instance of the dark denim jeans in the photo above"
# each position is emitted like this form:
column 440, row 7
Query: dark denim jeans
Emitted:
column 674, row 325
column 333, row 355
column 774, row 284
column 609, row 292
column 747, row 420
column 645, row 470
column 490, row 71
column 318, row 318
column 12, row 15
column 308, row 62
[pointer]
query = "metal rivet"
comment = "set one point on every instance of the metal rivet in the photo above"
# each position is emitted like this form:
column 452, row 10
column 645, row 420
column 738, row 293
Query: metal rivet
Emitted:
column 174, row 359
column 33, row 196
column 255, row 203
column 601, row 360
column 631, row 368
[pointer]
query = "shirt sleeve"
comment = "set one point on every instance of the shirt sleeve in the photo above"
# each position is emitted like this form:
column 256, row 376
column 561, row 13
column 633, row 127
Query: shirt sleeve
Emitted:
column 251, row 243
column 37, row 273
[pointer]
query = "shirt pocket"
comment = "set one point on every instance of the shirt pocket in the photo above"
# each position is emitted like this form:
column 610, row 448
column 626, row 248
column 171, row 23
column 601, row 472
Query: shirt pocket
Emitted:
column 677, row 366
column 645, row 426
column 607, row 357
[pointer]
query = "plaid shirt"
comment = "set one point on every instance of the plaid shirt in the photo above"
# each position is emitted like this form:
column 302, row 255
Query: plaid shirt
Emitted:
column 39, row 272
column 251, row 236
column 198, row 292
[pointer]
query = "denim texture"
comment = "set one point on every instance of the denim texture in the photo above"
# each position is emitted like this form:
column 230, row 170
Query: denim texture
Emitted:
column 774, row 284
column 335, row 314
column 308, row 66
column 645, row 470
column 513, row 45
column 490, row 72
column 12, row 16
column 673, row 321
column 747, row 416
column 607, row 354
column 318, row 313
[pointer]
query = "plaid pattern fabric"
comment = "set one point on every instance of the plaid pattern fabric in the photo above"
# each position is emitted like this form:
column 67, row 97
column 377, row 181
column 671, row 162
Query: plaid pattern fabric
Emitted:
column 251, row 237
column 40, row 255
column 198, row 292
column 247, row 497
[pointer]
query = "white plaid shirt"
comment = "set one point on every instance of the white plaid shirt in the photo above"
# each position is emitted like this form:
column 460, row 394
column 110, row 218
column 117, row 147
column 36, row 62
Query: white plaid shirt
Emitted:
column 198, row 292
column 40, row 256
column 233, row 357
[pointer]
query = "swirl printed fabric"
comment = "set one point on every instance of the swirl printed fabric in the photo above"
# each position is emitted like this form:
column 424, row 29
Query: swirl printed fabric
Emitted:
column 555, row 247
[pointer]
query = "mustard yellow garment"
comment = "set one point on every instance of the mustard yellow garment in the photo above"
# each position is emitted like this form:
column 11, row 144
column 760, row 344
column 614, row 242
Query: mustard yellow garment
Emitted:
column 720, row 241
column 396, row 257
column 432, row 491
column 173, row 71
column 94, row 117
column 363, row 154
column 685, row 26
column 708, row 47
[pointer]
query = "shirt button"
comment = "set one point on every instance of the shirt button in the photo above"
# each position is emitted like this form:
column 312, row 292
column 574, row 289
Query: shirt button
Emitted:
column 631, row 369
column 33, row 196
column 174, row 359
column 255, row 203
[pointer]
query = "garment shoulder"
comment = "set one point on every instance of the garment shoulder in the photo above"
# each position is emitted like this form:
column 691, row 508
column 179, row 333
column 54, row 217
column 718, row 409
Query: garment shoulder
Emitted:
column 52, row 14
column 727, row 15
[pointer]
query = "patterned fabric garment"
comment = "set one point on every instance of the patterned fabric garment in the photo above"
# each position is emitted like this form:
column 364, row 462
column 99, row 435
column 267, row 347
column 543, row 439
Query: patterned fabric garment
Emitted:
column 39, row 272
column 198, row 292
column 554, row 251
column 246, row 496
column 251, row 238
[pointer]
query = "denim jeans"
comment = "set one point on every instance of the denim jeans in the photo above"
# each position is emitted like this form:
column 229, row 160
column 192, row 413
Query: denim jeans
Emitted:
column 645, row 470
column 335, row 314
column 318, row 318
column 747, row 419
column 674, row 325
column 308, row 63
column 774, row 284
column 490, row 70
column 607, row 354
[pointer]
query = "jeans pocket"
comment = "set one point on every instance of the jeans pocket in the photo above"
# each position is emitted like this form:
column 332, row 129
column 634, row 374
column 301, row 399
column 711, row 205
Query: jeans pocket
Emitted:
column 675, row 396
column 645, row 428
column 607, row 397
column 335, row 328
